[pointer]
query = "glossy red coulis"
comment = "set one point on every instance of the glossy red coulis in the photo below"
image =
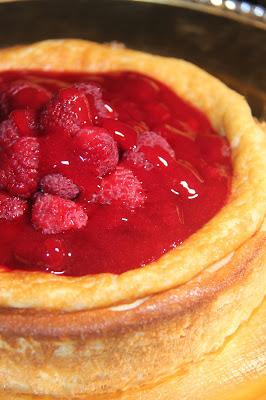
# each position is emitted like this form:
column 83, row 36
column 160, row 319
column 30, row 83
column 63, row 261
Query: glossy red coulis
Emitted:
column 102, row 173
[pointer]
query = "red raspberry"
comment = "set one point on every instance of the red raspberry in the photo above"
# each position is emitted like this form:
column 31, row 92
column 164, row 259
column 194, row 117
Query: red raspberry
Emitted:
column 97, row 150
column 138, row 159
column 8, row 134
column 23, row 94
column 152, row 139
column 59, row 185
column 20, row 123
column 18, row 167
column 150, row 158
column 24, row 121
column 90, row 89
column 94, row 95
column 152, row 150
column 67, row 112
column 124, row 135
column 122, row 188
column 11, row 207
column 52, row 214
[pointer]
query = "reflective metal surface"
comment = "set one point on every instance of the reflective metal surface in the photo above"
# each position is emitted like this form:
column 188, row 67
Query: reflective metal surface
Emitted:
column 246, row 11
column 215, row 34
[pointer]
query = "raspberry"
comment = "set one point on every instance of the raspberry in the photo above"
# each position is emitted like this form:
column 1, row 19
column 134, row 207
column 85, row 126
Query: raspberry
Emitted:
column 23, row 94
column 66, row 112
column 149, row 158
column 89, row 89
column 122, row 188
column 8, row 134
column 152, row 139
column 152, row 150
column 24, row 121
column 18, row 167
column 97, row 150
column 11, row 207
column 20, row 123
column 124, row 135
column 94, row 95
column 52, row 214
column 59, row 185
column 138, row 159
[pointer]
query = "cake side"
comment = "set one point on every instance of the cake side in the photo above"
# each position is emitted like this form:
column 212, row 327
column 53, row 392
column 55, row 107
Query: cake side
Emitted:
column 55, row 353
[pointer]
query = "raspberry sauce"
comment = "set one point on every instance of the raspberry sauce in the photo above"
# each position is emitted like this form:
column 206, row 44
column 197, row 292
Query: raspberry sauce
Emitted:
column 103, row 172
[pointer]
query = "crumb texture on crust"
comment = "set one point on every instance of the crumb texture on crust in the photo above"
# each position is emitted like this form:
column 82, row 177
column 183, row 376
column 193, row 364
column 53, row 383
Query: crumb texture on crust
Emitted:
column 229, row 229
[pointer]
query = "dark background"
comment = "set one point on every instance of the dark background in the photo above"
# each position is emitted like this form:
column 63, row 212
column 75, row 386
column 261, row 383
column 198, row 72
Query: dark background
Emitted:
column 234, row 51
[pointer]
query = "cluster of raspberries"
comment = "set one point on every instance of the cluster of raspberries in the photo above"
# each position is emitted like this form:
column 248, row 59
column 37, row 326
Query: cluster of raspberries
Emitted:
column 30, row 112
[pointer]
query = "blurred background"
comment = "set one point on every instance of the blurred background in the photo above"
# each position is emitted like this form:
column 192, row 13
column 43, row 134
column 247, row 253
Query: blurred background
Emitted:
column 226, row 37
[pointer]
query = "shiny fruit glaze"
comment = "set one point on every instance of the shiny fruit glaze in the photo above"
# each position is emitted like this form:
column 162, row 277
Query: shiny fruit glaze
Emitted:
column 102, row 173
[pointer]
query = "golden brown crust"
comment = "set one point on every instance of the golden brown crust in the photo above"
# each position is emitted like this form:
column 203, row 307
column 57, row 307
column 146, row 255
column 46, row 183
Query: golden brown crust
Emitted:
column 173, row 303
column 244, row 353
column 93, row 352
column 238, row 220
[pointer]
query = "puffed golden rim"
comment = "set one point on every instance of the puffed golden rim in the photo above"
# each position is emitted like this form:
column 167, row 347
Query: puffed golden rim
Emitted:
column 231, row 227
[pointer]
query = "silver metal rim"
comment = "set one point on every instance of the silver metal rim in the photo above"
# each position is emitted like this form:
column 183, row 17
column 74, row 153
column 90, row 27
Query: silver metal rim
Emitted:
column 242, row 11
column 239, row 10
